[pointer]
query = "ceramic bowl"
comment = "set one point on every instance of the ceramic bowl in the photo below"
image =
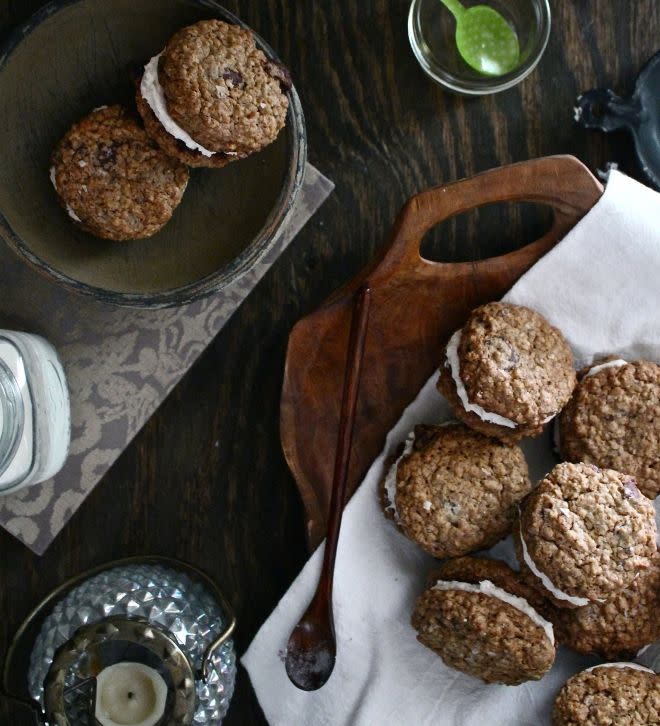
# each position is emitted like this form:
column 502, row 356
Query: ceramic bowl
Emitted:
column 74, row 55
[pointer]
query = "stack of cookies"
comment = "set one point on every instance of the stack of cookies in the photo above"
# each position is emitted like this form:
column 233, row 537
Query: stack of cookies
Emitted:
column 209, row 98
column 585, row 536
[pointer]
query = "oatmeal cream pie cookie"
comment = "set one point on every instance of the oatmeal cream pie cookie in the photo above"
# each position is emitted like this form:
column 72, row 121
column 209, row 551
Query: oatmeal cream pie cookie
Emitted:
column 614, row 694
column 479, row 618
column 618, row 628
column 211, row 96
column 453, row 490
column 507, row 372
column 585, row 534
column 112, row 179
column 613, row 421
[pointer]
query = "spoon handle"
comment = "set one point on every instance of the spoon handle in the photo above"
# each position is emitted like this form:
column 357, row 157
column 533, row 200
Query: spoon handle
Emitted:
column 354, row 356
column 455, row 7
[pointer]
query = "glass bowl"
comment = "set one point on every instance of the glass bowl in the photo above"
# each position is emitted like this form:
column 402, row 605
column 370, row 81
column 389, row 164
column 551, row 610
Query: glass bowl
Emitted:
column 431, row 30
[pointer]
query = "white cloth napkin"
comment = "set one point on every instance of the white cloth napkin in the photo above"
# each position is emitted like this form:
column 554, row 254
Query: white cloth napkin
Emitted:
column 601, row 287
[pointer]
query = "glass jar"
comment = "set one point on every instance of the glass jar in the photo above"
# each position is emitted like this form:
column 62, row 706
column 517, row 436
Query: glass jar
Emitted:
column 35, row 415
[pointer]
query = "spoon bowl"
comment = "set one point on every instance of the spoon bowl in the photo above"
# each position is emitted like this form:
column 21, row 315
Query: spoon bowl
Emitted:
column 312, row 648
column 484, row 38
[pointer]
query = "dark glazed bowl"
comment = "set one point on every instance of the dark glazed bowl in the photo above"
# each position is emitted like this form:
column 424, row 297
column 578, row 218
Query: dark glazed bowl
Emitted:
column 74, row 55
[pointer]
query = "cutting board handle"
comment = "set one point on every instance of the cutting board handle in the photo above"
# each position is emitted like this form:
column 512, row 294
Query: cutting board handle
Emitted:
column 416, row 305
column 561, row 182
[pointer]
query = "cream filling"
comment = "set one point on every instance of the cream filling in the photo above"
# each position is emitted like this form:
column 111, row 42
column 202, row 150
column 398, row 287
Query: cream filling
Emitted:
column 69, row 211
column 486, row 587
column 610, row 364
column 633, row 666
column 390, row 479
column 455, row 368
column 153, row 94
column 547, row 582
column 72, row 214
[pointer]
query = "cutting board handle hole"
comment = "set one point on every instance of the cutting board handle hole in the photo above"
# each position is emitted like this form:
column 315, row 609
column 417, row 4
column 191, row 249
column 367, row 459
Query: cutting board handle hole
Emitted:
column 486, row 231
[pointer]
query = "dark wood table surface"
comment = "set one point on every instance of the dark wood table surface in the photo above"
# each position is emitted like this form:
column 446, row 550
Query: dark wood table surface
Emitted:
column 205, row 480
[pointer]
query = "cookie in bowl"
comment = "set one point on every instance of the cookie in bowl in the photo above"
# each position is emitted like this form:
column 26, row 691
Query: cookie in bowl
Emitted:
column 507, row 372
column 212, row 96
column 613, row 693
column 613, row 420
column 113, row 180
column 477, row 616
column 618, row 628
column 453, row 490
column 584, row 534
column 176, row 147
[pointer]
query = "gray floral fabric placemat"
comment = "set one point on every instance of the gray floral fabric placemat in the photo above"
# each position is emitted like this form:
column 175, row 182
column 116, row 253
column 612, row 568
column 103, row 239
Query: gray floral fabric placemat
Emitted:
column 120, row 365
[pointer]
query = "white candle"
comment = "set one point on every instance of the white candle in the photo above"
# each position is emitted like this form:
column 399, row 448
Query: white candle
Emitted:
column 130, row 694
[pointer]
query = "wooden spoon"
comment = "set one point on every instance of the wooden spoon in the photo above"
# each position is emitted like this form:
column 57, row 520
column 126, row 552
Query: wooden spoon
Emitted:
column 312, row 647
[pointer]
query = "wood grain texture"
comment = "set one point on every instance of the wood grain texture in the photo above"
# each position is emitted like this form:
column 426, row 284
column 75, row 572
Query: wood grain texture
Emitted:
column 417, row 305
column 206, row 481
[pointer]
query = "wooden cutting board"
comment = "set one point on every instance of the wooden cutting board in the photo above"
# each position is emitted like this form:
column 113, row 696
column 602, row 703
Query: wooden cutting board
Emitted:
column 416, row 305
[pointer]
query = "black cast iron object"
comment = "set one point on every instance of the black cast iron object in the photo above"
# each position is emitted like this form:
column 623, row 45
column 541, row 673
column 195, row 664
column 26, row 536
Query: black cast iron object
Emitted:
column 602, row 109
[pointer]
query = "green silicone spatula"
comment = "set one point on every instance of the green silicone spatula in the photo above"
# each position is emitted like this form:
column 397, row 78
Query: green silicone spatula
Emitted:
column 484, row 39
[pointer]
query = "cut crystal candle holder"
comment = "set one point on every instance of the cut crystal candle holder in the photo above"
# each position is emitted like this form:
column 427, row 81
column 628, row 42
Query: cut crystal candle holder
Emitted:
column 160, row 613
